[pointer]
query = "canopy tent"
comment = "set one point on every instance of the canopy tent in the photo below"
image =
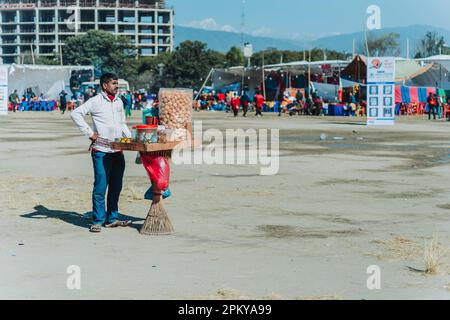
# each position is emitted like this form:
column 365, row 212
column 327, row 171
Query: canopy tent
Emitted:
column 232, row 78
column 302, row 67
column 431, row 75
column 429, row 72
column 404, row 69
column 350, row 84
column 328, row 92
column 435, row 58
column 356, row 70
column 407, row 69
column 405, row 94
column 278, row 77
column 48, row 80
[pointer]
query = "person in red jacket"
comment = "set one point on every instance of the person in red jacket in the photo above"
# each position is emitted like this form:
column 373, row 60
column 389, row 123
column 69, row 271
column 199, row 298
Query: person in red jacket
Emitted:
column 235, row 104
column 432, row 105
column 259, row 101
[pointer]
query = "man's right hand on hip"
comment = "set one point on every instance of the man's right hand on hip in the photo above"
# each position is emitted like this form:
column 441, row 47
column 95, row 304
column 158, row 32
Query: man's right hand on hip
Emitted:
column 94, row 137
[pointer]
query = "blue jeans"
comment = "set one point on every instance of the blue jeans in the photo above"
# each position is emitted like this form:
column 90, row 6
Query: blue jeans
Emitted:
column 108, row 173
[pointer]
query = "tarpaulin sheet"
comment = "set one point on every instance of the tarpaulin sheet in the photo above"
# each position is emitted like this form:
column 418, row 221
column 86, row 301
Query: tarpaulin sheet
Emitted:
column 398, row 94
column 422, row 94
column 431, row 90
column 48, row 80
column 406, row 95
column 326, row 91
column 414, row 94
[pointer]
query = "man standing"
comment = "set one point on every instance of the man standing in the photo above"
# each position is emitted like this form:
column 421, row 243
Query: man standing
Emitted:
column 245, row 101
column 236, row 104
column 126, row 100
column 259, row 101
column 299, row 99
column 281, row 103
column 14, row 99
column 62, row 101
column 109, row 121
column 432, row 103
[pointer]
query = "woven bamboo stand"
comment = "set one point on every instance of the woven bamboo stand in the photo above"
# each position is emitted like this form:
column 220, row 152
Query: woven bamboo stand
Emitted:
column 157, row 222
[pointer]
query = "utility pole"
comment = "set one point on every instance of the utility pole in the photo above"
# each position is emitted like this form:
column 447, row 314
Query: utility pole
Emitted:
column 407, row 48
column 354, row 48
column 32, row 53
column 263, row 76
column 242, row 23
column 367, row 43
column 60, row 55
column 309, row 74
column 242, row 44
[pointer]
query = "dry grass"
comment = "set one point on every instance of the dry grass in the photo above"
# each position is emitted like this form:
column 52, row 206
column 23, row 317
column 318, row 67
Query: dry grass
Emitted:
column 433, row 255
column 398, row 249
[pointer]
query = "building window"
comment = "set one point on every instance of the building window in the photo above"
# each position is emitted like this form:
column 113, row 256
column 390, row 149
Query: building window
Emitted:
column 147, row 51
column 146, row 17
column 106, row 16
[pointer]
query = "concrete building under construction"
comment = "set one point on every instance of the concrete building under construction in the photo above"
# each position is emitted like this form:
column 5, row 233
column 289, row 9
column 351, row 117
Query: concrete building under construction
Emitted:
column 41, row 27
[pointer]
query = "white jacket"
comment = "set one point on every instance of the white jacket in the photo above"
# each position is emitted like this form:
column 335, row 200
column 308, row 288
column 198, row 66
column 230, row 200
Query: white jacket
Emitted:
column 108, row 119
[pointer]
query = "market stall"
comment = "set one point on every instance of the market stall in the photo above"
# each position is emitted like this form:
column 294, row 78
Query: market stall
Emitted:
column 155, row 144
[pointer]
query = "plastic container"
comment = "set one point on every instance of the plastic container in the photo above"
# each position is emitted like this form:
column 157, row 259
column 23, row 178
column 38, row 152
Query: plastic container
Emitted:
column 147, row 134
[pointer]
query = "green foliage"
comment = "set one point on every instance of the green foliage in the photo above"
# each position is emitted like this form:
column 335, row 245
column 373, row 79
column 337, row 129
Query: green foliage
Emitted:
column 101, row 49
column 47, row 60
column 384, row 45
column 432, row 44
column 187, row 66
column 234, row 57
column 273, row 56
column 190, row 64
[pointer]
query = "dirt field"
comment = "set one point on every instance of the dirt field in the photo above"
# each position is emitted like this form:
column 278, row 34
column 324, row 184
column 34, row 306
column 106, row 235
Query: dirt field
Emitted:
column 373, row 196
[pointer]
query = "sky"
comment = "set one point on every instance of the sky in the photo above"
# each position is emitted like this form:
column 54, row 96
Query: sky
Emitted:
column 306, row 20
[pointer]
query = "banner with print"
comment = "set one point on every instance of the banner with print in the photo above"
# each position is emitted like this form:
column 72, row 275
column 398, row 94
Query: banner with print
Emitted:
column 381, row 91
column 4, row 95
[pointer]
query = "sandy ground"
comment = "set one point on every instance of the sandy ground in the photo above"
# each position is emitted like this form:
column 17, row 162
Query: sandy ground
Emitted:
column 335, row 208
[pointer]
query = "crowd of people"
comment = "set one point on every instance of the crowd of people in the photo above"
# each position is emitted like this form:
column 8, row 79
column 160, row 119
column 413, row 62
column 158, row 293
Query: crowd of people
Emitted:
column 437, row 106
column 231, row 102
column 64, row 102
column 287, row 103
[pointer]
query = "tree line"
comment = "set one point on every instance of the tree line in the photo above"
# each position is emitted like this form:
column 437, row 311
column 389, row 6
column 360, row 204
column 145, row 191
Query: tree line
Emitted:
column 190, row 62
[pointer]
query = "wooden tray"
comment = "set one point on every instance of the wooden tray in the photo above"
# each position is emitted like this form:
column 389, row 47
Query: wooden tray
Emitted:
column 154, row 146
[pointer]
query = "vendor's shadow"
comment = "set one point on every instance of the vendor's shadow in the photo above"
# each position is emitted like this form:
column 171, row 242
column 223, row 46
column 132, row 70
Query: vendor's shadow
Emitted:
column 77, row 219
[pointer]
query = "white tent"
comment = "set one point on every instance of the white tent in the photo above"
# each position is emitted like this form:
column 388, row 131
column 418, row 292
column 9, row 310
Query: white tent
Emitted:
column 49, row 80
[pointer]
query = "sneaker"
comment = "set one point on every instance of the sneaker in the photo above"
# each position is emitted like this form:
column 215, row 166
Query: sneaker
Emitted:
column 95, row 228
column 118, row 223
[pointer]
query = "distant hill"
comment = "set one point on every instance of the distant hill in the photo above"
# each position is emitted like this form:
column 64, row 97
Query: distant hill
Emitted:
column 414, row 33
column 223, row 41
